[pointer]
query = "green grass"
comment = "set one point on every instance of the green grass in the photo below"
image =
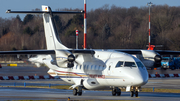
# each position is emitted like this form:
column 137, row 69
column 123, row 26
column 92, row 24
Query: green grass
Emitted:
column 161, row 90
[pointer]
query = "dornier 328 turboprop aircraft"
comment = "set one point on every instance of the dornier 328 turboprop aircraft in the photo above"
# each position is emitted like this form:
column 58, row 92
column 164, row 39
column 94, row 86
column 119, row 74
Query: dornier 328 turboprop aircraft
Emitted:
column 86, row 69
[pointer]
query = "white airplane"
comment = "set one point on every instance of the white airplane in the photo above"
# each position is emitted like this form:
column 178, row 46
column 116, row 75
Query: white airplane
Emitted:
column 37, row 60
column 150, row 58
column 86, row 69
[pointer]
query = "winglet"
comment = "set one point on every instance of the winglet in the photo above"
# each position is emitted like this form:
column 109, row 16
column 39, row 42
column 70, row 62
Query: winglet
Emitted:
column 8, row 11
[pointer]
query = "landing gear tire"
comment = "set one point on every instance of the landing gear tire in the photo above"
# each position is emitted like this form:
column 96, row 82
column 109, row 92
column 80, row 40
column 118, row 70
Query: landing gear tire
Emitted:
column 118, row 92
column 74, row 91
column 136, row 93
column 79, row 93
column 132, row 93
column 113, row 92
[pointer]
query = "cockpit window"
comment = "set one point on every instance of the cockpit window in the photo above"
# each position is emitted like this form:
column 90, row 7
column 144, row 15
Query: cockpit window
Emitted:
column 129, row 64
column 119, row 64
column 139, row 64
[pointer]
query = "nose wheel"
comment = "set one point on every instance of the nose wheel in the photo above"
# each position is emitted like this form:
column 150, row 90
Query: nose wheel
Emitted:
column 134, row 93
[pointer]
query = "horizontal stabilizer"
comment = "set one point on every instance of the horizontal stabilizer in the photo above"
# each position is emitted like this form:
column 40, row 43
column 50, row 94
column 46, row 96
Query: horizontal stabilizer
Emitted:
column 41, row 12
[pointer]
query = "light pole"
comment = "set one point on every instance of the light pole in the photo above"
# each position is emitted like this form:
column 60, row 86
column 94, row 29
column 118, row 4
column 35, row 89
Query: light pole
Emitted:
column 77, row 32
column 149, row 4
column 85, row 24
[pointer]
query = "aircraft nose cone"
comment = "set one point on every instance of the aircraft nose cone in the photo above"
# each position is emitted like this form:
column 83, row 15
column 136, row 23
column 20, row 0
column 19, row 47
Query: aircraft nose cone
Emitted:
column 141, row 79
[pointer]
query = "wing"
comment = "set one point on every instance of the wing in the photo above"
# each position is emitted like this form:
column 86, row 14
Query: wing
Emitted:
column 66, row 57
column 139, row 51
column 129, row 51
column 25, row 52
column 166, row 52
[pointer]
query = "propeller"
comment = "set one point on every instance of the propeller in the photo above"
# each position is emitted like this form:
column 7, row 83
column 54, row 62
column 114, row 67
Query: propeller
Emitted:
column 157, row 61
column 70, row 59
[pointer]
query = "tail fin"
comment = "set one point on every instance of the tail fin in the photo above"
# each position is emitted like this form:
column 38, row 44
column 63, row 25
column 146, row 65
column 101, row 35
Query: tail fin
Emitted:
column 52, row 39
column 51, row 34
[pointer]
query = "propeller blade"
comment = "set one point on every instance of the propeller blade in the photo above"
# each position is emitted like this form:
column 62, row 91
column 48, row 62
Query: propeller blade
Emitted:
column 76, row 56
column 67, row 53
column 77, row 62
column 64, row 61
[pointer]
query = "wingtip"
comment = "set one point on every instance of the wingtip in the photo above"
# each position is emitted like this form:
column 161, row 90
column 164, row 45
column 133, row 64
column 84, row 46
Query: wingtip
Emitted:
column 8, row 11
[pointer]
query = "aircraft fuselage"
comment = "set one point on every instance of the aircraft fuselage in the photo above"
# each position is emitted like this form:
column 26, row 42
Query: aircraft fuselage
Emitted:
column 103, row 70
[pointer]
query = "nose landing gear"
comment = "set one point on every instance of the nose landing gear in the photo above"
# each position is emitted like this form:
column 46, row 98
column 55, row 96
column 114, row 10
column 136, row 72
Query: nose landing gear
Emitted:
column 134, row 92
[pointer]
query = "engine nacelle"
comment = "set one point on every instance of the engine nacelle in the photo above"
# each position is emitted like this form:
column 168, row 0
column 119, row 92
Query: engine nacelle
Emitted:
column 38, row 60
column 151, row 58
column 63, row 59
column 157, row 60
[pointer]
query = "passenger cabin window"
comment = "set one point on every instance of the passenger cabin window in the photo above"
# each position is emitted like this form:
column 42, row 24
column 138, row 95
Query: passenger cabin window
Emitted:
column 84, row 67
column 119, row 64
column 99, row 67
column 80, row 67
column 91, row 67
column 87, row 67
column 96, row 67
column 129, row 64
column 76, row 66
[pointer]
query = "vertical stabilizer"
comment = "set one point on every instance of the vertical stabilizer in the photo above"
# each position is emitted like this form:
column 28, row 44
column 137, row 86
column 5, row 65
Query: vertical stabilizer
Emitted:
column 52, row 38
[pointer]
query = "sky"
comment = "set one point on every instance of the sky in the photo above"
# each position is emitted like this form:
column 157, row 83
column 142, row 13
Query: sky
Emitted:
column 28, row 5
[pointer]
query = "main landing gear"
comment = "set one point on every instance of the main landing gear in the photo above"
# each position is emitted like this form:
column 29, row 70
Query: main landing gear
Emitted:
column 77, row 91
column 116, row 91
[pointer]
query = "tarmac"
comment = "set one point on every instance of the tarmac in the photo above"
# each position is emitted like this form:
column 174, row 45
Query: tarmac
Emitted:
column 10, row 93
column 24, row 93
